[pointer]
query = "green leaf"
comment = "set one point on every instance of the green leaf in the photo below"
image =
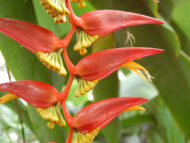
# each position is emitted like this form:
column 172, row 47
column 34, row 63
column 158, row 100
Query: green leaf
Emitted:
column 166, row 125
column 178, row 15
column 103, row 4
column 174, row 135
column 180, row 23
column 166, row 8
column 174, row 39
column 121, row 5
column 170, row 79
column 136, row 120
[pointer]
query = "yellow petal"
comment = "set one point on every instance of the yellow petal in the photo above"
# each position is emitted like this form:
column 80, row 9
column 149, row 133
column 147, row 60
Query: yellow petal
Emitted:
column 51, row 125
column 83, row 51
column 57, row 9
column 135, row 67
column 7, row 97
column 53, row 115
column 135, row 108
column 84, row 41
column 84, row 87
column 87, row 137
column 53, row 61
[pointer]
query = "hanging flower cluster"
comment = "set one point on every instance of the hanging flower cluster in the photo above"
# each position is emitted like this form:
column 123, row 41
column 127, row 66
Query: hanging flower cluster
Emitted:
column 51, row 51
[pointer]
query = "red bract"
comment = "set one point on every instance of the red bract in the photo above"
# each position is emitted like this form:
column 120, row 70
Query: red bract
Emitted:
column 38, row 94
column 103, row 22
column 98, row 23
column 99, row 65
column 31, row 36
column 103, row 63
column 99, row 114
column 38, row 40
column 92, row 118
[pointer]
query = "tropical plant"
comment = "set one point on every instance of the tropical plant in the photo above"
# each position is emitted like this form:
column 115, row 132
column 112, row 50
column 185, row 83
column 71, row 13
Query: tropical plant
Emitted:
column 49, row 92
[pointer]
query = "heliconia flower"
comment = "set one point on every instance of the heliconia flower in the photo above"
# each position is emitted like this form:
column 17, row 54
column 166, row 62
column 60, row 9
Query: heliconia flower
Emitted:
column 92, row 25
column 57, row 9
column 97, row 66
column 42, row 42
column 38, row 94
column 94, row 117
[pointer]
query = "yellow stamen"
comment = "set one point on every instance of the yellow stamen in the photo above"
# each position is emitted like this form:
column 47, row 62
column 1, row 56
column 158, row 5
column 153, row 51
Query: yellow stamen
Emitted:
column 87, row 137
column 7, row 97
column 53, row 115
column 81, row 3
column 60, row 19
column 84, row 87
column 53, row 61
column 57, row 9
column 135, row 108
column 84, row 41
column 83, row 51
column 135, row 67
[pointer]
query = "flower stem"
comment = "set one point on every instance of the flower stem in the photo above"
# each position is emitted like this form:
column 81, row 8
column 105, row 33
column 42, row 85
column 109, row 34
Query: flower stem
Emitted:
column 64, row 95
column 72, row 17
column 68, row 38
column 69, row 138
column 65, row 92
column 66, row 113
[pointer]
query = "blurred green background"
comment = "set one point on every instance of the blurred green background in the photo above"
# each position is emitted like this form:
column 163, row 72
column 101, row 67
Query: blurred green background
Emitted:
column 167, row 118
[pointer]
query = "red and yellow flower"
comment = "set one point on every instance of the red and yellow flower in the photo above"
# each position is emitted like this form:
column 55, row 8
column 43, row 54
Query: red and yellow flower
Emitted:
column 44, row 97
column 94, row 117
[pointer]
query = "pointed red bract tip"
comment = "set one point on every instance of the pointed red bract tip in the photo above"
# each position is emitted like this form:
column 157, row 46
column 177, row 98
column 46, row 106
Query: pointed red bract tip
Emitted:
column 38, row 94
column 99, row 114
column 103, row 22
column 101, row 64
column 31, row 36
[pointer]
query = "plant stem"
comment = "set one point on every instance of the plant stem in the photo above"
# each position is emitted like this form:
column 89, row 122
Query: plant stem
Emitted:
column 64, row 95
column 69, row 138
column 65, row 92
column 72, row 17
column 68, row 38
